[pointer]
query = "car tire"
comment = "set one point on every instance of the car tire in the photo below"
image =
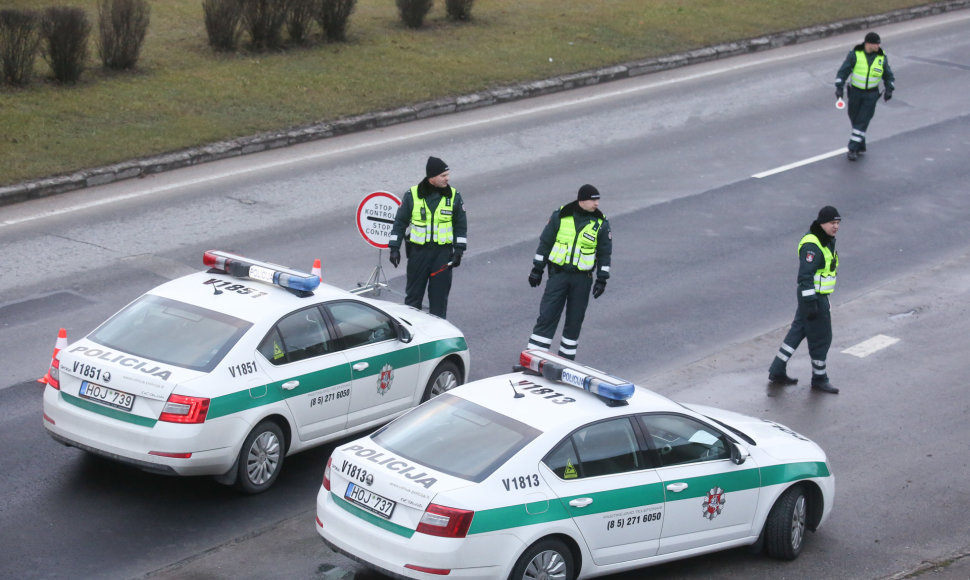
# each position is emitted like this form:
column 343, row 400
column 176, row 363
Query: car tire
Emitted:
column 261, row 458
column 548, row 558
column 445, row 377
column 786, row 525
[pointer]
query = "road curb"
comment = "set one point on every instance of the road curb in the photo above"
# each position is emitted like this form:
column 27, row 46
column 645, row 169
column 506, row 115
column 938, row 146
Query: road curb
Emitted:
column 274, row 140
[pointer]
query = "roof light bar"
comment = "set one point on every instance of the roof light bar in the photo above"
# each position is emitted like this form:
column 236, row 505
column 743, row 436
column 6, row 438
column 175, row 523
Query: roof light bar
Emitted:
column 241, row 267
column 571, row 373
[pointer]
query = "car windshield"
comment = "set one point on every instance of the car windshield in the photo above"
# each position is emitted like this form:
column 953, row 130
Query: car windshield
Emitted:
column 457, row 437
column 171, row 332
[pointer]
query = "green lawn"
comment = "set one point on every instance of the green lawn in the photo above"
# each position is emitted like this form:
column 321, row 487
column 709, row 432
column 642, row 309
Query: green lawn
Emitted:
column 184, row 94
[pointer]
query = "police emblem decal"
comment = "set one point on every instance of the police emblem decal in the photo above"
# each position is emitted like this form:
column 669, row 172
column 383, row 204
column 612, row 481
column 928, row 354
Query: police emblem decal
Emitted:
column 385, row 379
column 713, row 503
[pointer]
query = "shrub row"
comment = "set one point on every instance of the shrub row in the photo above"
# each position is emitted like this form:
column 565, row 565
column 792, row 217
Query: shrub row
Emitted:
column 61, row 35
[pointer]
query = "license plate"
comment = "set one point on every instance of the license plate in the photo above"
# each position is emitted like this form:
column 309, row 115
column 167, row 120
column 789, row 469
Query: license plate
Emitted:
column 370, row 501
column 103, row 394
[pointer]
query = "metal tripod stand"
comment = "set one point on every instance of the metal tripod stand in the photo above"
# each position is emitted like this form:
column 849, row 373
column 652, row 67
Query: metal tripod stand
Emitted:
column 377, row 282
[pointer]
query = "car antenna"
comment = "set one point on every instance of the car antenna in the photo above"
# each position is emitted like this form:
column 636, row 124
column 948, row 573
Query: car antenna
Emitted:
column 518, row 395
column 215, row 290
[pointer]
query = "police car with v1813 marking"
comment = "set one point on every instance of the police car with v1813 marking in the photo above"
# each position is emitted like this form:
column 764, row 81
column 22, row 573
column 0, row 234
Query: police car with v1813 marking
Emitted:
column 562, row 471
column 225, row 372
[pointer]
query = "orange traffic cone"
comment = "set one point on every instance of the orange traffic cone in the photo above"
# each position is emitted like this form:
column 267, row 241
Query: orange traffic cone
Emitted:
column 316, row 269
column 61, row 343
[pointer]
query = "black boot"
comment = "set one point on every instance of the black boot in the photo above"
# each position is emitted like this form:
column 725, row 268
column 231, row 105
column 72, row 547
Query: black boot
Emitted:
column 825, row 387
column 782, row 379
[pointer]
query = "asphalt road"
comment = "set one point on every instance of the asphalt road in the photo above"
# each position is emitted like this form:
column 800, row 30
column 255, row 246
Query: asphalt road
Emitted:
column 702, row 292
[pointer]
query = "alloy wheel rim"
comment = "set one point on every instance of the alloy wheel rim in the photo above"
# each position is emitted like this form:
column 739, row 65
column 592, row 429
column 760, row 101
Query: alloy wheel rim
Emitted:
column 444, row 382
column 548, row 565
column 264, row 457
column 798, row 523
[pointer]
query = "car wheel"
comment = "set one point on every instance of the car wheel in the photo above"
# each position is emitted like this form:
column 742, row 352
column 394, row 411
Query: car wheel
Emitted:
column 549, row 558
column 261, row 458
column 445, row 377
column 785, row 527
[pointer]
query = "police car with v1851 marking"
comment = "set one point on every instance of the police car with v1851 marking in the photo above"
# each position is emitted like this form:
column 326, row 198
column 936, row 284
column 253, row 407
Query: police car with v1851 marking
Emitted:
column 226, row 372
column 562, row 471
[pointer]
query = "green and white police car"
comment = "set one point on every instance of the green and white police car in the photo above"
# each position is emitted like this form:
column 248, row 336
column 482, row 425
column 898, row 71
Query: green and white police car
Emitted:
column 562, row 471
column 225, row 372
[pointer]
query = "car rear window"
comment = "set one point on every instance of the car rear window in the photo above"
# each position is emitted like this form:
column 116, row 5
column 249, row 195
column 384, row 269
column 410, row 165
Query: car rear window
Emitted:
column 171, row 332
column 457, row 437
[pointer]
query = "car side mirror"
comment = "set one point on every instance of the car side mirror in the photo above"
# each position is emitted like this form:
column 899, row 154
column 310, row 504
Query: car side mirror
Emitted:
column 403, row 334
column 738, row 453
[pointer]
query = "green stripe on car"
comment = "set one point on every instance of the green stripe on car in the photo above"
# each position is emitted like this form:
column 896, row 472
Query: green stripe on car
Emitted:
column 108, row 411
column 371, row 518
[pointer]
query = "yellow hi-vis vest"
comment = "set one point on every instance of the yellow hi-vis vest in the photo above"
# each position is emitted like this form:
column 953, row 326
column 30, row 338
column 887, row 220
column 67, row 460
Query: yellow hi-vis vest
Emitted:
column 864, row 75
column 431, row 227
column 576, row 248
column 824, row 276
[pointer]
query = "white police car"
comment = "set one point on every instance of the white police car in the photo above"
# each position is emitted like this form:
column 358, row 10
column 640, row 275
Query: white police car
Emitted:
column 226, row 372
column 524, row 476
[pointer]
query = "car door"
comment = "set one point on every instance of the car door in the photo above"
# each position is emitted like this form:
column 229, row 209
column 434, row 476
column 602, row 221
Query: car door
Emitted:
column 309, row 372
column 384, row 370
column 615, row 499
column 708, row 498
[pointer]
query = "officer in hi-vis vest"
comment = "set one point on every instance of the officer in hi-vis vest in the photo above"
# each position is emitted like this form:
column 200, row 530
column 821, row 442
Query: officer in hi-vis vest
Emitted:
column 818, row 263
column 436, row 239
column 864, row 67
column 574, row 244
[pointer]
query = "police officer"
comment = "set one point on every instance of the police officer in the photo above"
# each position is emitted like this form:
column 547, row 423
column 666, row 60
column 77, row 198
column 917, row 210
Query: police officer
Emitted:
column 818, row 263
column 576, row 242
column 436, row 240
column 865, row 66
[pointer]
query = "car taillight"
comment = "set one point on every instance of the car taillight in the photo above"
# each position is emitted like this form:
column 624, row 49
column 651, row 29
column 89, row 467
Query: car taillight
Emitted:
column 54, row 374
column 182, row 409
column 326, row 475
column 446, row 522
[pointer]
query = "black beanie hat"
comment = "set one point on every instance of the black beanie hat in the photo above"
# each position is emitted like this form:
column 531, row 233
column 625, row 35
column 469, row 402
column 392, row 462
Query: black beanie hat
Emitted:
column 828, row 214
column 588, row 192
column 872, row 38
column 435, row 167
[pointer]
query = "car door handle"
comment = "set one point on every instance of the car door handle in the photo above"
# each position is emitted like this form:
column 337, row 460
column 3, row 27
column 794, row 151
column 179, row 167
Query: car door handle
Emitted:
column 677, row 487
column 290, row 385
column 361, row 366
column 581, row 501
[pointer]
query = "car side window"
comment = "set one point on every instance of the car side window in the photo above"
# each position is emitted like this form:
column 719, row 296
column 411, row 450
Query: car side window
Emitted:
column 361, row 324
column 677, row 439
column 603, row 448
column 297, row 336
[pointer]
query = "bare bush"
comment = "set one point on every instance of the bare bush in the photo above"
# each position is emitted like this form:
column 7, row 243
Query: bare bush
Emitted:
column 264, row 19
column 414, row 11
column 222, row 23
column 459, row 9
column 333, row 17
column 122, row 26
column 64, row 35
column 299, row 18
column 19, row 40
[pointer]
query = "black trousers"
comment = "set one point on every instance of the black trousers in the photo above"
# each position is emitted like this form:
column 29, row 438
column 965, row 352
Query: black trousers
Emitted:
column 862, row 106
column 564, row 289
column 819, row 335
column 423, row 261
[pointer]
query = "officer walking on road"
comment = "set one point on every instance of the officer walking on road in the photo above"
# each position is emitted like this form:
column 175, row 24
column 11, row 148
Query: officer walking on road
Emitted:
column 865, row 66
column 435, row 241
column 818, row 263
column 576, row 242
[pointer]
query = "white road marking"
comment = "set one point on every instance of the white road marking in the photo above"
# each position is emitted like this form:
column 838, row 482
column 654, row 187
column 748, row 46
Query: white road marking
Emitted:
column 800, row 163
column 874, row 344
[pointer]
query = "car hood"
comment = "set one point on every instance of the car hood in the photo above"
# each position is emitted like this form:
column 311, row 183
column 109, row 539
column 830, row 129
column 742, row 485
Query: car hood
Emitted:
column 775, row 439
column 420, row 323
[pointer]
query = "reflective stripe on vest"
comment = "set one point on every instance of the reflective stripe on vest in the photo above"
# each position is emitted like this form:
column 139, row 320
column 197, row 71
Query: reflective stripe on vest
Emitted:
column 576, row 248
column 864, row 75
column 824, row 276
column 431, row 227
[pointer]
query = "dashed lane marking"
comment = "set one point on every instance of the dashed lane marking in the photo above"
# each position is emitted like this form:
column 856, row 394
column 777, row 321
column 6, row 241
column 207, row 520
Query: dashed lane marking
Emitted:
column 874, row 344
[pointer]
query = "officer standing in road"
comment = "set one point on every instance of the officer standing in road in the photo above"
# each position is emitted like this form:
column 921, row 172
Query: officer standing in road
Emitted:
column 436, row 240
column 576, row 242
column 818, row 263
column 865, row 66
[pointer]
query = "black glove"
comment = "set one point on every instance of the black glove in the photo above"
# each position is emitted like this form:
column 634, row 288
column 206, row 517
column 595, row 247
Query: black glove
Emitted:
column 535, row 277
column 598, row 288
column 811, row 310
column 888, row 94
column 838, row 91
column 395, row 256
column 456, row 258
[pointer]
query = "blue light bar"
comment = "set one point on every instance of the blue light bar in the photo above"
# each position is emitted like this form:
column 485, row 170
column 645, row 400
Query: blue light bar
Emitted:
column 571, row 373
column 241, row 267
